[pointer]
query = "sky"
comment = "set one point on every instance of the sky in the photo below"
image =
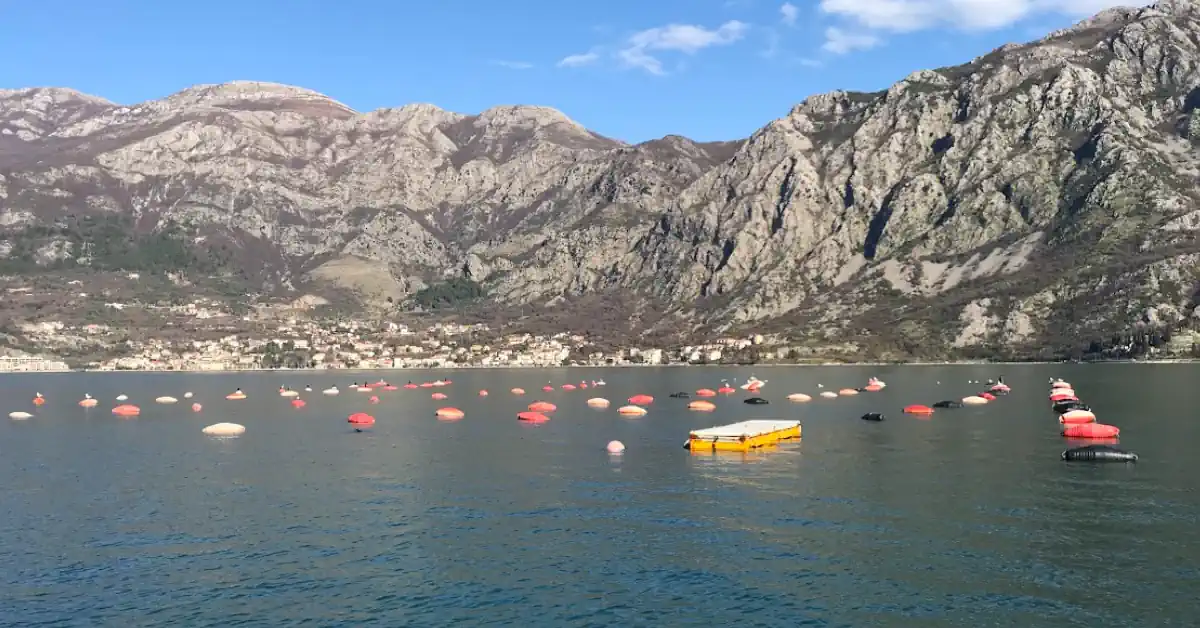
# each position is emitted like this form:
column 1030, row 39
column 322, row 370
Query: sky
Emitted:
column 633, row 70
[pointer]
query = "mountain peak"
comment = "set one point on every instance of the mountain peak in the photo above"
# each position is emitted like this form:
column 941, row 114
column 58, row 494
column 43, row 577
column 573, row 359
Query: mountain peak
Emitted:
column 527, row 115
column 52, row 96
column 255, row 94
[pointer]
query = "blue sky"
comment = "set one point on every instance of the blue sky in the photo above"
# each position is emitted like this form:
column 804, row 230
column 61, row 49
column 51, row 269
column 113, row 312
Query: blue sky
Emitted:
column 633, row 70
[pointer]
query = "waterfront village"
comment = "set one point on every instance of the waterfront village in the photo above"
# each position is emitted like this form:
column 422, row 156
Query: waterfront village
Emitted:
column 295, row 343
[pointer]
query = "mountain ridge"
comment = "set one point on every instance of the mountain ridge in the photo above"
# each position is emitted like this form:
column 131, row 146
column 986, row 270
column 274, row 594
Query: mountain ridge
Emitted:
column 915, row 220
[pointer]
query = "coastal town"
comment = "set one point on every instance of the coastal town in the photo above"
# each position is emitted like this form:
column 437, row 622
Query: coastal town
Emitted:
column 296, row 342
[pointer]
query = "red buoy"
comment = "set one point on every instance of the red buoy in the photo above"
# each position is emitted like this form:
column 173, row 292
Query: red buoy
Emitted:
column 1090, row 430
column 361, row 418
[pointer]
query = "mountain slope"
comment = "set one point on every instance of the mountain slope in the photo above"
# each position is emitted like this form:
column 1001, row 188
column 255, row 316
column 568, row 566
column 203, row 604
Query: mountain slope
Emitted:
column 1035, row 200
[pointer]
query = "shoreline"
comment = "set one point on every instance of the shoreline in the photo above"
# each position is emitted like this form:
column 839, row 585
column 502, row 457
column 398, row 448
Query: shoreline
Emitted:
column 1181, row 361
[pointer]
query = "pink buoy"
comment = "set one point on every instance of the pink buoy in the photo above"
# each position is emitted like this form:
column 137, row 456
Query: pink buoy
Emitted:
column 616, row 447
column 196, row 407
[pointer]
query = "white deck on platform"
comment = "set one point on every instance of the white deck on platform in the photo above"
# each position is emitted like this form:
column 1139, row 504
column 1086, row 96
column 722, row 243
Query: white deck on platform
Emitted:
column 746, row 429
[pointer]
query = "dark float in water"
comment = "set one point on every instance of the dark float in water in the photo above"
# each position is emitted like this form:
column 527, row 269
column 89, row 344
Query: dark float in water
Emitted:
column 1099, row 453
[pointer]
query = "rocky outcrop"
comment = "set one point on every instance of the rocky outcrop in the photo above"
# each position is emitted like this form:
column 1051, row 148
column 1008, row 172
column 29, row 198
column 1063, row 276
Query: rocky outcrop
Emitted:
column 1041, row 195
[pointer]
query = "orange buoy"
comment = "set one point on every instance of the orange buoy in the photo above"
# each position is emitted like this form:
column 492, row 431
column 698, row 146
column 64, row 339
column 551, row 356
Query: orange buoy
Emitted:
column 568, row 386
column 127, row 409
column 449, row 413
column 196, row 407
column 37, row 401
column 726, row 390
column 483, row 393
column 411, row 386
column 438, row 396
column 390, row 387
column 1077, row 417
column 532, row 417
column 631, row 410
column 873, row 388
column 87, row 403
column 236, row 396
column 1090, row 430
column 706, row 392
column 517, row 391
column 918, row 409
column 373, row 399
column 702, row 406
column 641, row 400
column 846, row 392
column 987, row 395
column 542, row 406
column 298, row 403
column 547, row 388
column 361, row 418
column 426, row 384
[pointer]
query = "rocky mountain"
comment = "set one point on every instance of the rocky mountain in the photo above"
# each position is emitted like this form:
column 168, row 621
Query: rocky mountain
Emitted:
column 1039, row 200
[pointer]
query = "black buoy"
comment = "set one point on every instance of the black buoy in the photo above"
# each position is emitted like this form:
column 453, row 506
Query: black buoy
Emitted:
column 756, row 401
column 948, row 404
column 1064, row 407
column 1099, row 453
column 872, row 416
column 680, row 395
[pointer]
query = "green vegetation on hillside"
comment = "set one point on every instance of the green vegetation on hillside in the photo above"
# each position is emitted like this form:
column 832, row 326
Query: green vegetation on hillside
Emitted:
column 450, row 294
column 111, row 242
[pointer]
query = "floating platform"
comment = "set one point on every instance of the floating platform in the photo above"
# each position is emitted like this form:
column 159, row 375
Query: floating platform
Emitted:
column 743, row 436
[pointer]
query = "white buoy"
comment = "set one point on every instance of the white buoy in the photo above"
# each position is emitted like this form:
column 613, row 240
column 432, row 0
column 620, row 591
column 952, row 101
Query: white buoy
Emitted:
column 330, row 391
column 225, row 429
column 597, row 402
column 616, row 447
column 974, row 400
column 165, row 400
column 801, row 397
column 187, row 395
column 288, row 393
column 19, row 416
column 122, row 397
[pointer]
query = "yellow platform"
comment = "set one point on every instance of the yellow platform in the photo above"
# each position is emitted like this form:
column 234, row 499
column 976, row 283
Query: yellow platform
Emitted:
column 743, row 436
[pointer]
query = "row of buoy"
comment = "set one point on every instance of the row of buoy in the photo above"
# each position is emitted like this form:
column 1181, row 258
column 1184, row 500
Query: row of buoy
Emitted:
column 1078, row 421
column 917, row 409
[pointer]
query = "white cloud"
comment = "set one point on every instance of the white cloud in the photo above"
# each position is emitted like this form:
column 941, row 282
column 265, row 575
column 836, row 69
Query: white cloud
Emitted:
column 912, row 15
column 789, row 13
column 513, row 65
column 575, row 61
column 865, row 20
column 840, row 42
column 686, row 38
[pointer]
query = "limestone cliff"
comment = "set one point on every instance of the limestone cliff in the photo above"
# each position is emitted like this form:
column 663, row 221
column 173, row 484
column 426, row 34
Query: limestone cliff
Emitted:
column 1043, row 195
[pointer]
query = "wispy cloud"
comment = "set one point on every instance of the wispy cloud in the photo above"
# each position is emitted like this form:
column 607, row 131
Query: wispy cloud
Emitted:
column 871, row 18
column 640, row 50
column 579, row 60
column 512, row 65
column 840, row 42
column 788, row 16
column 788, row 13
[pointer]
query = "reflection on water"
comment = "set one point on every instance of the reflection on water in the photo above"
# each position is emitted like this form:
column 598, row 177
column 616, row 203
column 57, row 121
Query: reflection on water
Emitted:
column 965, row 517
